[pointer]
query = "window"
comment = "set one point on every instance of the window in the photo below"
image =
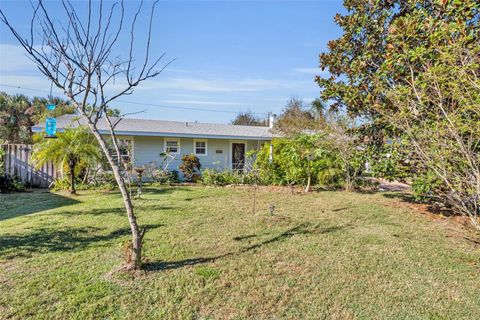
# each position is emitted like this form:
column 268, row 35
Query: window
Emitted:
column 200, row 147
column 172, row 146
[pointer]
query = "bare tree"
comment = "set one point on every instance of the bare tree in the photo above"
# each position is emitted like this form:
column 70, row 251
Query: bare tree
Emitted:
column 80, row 57
column 340, row 138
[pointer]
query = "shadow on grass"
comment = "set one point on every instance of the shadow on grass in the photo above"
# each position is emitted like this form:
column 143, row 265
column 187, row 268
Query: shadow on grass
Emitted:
column 400, row 196
column 162, row 190
column 45, row 240
column 431, row 207
column 300, row 229
column 119, row 211
column 21, row 204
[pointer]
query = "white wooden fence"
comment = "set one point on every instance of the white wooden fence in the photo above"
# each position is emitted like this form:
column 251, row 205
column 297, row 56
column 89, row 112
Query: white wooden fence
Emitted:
column 17, row 162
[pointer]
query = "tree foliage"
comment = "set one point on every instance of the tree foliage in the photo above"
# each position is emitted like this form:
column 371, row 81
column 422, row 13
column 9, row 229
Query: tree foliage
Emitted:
column 249, row 119
column 18, row 114
column 410, row 70
column 301, row 160
column 298, row 117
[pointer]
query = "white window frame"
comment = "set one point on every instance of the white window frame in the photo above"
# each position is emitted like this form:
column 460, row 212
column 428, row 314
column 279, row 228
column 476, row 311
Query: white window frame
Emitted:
column 195, row 147
column 172, row 139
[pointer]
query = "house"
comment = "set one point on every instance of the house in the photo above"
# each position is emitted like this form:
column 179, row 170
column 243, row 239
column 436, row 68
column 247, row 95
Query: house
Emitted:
column 218, row 146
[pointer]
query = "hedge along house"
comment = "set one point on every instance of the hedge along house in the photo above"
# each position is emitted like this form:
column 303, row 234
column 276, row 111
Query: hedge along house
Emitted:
column 218, row 146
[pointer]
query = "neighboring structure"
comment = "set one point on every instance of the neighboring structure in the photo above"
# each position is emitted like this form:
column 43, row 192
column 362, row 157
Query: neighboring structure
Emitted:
column 219, row 146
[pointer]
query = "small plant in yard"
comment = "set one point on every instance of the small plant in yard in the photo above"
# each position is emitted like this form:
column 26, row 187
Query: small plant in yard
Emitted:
column 72, row 149
column 207, row 272
column 190, row 166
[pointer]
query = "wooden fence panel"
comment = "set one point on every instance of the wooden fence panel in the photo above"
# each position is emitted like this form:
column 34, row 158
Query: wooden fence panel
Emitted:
column 17, row 162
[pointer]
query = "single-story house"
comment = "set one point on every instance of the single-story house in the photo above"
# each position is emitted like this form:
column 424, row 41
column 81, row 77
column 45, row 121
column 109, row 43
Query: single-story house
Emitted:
column 218, row 146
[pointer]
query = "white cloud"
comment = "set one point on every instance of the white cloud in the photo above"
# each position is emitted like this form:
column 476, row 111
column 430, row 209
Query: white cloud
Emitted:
column 215, row 85
column 13, row 58
column 316, row 71
column 17, row 70
column 198, row 102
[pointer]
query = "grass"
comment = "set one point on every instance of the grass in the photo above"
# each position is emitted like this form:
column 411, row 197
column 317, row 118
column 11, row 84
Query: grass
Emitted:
column 325, row 255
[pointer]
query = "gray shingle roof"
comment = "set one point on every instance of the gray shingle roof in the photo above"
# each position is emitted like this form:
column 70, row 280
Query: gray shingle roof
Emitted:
column 144, row 127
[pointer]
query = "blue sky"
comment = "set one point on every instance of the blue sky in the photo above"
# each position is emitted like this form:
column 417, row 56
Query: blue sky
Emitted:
column 230, row 56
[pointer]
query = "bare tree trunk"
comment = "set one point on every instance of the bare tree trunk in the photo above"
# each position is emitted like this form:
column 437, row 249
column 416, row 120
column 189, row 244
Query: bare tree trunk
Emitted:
column 137, row 234
column 80, row 60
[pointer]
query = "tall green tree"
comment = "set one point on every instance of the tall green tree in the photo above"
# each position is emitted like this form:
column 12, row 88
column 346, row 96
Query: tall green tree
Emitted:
column 71, row 149
column 362, row 62
column 410, row 69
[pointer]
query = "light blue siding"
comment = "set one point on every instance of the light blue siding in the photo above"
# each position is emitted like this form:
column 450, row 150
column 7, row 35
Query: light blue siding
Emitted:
column 148, row 149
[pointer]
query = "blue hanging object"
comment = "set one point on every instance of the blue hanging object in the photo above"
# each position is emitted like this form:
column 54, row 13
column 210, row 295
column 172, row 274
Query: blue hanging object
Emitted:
column 51, row 107
column 51, row 127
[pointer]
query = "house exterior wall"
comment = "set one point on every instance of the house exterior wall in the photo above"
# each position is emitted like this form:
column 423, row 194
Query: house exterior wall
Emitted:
column 148, row 149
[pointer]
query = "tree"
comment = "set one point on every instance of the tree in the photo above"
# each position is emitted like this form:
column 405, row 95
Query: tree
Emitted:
column 296, row 118
column 439, row 115
column 16, row 118
column 248, row 119
column 71, row 148
column 18, row 114
column 41, row 112
column 341, row 139
column 409, row 69
column 82, row 58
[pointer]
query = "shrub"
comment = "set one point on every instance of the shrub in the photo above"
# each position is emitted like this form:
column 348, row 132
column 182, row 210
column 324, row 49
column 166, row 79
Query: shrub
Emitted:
column 213, row 177
column 365, row 184
column 10, row 184
column 190, row 165
column 424, row 186
column 389, row 161
column 64, row 185
column 295, row 159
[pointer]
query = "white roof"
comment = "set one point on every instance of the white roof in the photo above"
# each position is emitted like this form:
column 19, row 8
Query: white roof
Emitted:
column 144, row 127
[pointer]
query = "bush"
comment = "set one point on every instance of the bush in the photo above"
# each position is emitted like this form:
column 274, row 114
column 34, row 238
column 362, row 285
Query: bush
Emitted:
column 10, row 184
column 290, row 167
column 424, row 186
column 64, row 185
column 190, row 165
column 365, row 184
column 211, row 177
column 164, row 177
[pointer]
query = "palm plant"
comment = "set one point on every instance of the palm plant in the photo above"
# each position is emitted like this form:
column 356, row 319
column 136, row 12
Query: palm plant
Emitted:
column 70, row 149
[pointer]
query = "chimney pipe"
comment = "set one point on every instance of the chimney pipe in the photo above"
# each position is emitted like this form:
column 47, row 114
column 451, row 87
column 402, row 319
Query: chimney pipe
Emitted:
column 271, row 119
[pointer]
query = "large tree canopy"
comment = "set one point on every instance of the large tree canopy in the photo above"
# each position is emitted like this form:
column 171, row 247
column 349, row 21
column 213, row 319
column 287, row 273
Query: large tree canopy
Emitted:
column 367, row 59
column 411, row 69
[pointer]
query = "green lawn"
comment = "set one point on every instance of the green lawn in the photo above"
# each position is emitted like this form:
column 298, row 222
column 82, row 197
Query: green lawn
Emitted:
column 330, row 255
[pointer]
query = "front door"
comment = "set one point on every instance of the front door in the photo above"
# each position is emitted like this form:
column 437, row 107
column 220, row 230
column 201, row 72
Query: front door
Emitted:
column 238, row 156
